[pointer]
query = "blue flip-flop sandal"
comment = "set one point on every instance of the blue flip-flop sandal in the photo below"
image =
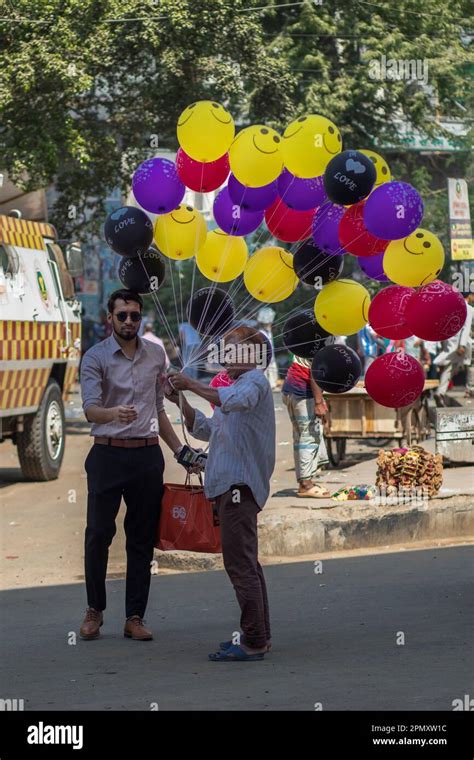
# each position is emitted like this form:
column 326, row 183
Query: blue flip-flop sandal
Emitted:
column 235, row 653
column 224, row 645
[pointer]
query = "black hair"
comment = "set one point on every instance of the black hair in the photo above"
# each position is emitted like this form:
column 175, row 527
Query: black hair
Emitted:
column 125, row 295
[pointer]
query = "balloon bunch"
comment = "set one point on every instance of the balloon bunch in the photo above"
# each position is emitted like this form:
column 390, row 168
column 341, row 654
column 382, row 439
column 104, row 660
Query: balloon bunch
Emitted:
column 307, row 192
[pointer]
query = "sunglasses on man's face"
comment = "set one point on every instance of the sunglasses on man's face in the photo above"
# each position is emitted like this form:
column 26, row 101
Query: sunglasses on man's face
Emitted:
column 135, row 316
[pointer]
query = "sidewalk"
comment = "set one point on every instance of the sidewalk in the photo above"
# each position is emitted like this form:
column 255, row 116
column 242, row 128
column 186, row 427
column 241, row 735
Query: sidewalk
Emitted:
column 291, row 526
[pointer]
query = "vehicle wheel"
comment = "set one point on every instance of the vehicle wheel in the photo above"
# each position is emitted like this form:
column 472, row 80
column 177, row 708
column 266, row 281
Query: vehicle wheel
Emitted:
column 336, row 448
column 41, row 444
column 379, row 443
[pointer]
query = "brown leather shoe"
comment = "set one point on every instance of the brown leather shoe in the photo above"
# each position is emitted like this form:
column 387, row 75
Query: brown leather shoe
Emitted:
column 90, row 628
column 134, row 629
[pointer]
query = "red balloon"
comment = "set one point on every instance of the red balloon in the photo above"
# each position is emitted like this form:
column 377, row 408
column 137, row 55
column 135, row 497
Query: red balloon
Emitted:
column 437, row 311
column 287, row 224
column 395, row 380
column 202, row 178
column 387, row 312
column 221, row 380
column 353, row 234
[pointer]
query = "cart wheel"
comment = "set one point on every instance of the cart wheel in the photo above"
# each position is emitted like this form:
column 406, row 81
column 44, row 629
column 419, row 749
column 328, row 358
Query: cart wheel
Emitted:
column 379, row 443
column 337, row 452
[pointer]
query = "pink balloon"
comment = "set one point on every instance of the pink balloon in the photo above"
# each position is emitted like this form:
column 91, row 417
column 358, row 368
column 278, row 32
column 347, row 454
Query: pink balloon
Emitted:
column 202, row 178
column 437, row 311
column 395, row 380
column 286, row 223
column 387, row 312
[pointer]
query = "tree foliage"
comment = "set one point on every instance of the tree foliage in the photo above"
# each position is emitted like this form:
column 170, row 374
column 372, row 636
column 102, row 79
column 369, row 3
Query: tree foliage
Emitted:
column 86, row 87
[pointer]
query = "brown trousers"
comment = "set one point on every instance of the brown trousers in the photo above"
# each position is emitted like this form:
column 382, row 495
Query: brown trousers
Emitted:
column 238, row 522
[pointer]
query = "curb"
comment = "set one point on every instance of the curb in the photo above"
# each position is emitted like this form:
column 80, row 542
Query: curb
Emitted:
column 358, row 527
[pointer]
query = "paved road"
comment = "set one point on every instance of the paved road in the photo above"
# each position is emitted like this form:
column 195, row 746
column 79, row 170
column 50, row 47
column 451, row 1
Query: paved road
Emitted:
column 334, row 641
column 42, row 524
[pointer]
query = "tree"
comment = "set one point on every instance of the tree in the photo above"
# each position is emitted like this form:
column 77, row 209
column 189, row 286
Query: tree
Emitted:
column 341, row 52
column 88, row 89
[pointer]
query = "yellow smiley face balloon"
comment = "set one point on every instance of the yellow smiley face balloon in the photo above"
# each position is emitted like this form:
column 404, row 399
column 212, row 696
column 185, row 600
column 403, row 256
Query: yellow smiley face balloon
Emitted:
column 269, row 275
column 342, row 307
column 381, row 167
column 415, row 260
column 255, row 157
column 181, row 233
column 205, row 130
column 222, row 257
column 308, row 145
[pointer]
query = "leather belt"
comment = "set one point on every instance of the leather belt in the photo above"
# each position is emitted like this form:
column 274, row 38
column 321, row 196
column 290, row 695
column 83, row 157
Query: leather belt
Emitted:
column 127, row 443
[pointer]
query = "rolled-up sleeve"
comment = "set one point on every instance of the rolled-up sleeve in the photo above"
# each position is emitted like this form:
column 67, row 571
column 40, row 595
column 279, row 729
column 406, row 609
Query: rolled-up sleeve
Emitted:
column 91, row 382
column 240, row 397
column 202, row 427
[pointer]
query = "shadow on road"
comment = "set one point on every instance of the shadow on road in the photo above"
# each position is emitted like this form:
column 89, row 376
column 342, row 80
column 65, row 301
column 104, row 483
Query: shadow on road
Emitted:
column 9, row 475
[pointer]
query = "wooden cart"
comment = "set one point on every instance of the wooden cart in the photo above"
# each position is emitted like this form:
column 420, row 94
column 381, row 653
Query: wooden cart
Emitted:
column 356, row 415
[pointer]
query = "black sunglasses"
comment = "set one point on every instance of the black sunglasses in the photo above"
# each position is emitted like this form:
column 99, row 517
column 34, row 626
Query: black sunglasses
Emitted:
column 135, row 316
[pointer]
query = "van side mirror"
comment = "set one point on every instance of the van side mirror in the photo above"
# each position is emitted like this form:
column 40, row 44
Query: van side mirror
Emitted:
column 74, row 259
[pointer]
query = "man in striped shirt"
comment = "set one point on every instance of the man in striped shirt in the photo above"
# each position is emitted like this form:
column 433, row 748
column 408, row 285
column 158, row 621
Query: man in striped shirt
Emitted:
column 240, row 463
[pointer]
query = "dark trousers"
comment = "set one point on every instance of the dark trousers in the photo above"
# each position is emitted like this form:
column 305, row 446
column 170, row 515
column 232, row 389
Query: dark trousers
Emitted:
column 137, row 475
column 238, row 523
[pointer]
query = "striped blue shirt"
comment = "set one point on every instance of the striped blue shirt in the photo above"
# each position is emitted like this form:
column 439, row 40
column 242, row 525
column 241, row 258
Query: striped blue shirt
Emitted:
column 241, row 436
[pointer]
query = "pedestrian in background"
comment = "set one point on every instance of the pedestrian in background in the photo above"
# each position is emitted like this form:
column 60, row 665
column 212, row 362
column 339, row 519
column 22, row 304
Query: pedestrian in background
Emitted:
column 369, row 346
column 189, row 342
column 148, row 334
column 455, row 354
column 265, row 318
column 306, row 407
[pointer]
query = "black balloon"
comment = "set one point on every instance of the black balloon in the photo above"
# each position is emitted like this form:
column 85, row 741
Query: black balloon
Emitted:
column 304, row 336
column 315, row 267
column 128, row 231
column 143, row 274
column 210, row 311
column 336, row 369
column 349, row 177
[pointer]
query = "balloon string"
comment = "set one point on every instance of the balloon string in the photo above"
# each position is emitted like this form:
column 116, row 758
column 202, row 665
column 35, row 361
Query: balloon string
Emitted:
column 250, row 298
column 159, row 308
column 235, row 288
column 330, row 255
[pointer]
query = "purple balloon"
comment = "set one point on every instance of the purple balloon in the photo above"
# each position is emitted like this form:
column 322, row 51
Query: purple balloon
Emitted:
column 301, row 194
column 252, row 198
column 157, row 187
column 372, row 266
column 325, row 228
column 234, row 219
column 393, row 211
